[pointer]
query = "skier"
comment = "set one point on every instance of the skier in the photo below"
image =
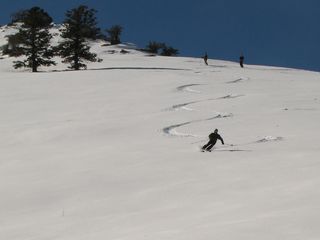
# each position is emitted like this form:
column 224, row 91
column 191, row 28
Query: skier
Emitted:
column 241, row 60
column 213, row 137
column 205, row 58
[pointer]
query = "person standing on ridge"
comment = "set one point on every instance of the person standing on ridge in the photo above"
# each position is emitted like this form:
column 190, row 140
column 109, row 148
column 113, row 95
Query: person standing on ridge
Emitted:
column 213, row 137
column 205, row 58
column 241, row 60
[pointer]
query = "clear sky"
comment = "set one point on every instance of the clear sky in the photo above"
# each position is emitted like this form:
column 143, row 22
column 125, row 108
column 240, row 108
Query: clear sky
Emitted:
column 268, row 32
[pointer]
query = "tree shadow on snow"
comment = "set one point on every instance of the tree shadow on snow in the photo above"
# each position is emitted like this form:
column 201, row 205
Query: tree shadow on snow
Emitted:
column 124, row 68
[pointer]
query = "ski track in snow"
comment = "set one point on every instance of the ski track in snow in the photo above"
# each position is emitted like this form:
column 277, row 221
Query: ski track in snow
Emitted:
column 186, row 88
column 227, row 115
column 301, row 109
column 234, row 147
column 181, row 106
column 171, row 130
column 184, row 105
column 225, row 148
column 269, row 139
column 266, row 139
column 230, row 150
column 231, row 96
column 238, row 80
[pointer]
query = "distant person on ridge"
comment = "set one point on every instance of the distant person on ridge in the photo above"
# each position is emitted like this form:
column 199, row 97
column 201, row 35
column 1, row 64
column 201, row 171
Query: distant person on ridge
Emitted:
column 241, row 60
column 213, row 137
column 205, row 58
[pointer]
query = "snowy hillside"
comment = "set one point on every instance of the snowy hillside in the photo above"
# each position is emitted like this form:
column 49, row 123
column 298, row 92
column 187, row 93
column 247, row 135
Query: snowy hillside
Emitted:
column 113, row 152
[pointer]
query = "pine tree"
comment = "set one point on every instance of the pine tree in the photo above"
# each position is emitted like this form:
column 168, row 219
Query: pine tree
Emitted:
column 18, row 16
column 169, row 51
column 12, row 48
column 154, row 47
column 80, row 25
column 33, row 40
column 114, row 34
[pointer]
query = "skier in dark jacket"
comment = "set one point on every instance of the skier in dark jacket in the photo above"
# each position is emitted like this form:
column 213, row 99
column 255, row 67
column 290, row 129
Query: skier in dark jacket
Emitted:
column 213, row 137
column 241, row 60
column 205, row 58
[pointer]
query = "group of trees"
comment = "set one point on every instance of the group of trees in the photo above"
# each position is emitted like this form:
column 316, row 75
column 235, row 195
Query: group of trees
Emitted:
column 33, row 40
column 155, row 47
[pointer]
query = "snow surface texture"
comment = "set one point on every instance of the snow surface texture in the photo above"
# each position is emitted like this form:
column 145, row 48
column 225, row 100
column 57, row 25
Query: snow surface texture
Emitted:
column 113, row 152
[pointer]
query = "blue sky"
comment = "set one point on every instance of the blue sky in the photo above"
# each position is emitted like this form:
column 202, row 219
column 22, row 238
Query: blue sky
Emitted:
column 272, row 32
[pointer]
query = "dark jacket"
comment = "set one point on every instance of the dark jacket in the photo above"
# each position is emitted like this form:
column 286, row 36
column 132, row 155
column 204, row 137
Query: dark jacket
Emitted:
column 214, row 137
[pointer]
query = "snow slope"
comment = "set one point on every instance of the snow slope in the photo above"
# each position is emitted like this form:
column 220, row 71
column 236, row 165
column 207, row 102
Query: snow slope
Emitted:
column 113, row 152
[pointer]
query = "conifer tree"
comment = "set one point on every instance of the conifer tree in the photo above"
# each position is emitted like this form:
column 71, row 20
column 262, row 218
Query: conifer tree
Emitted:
column 33, row 40
column 169, row 51
column 114, row 34
column 12, row 47
column 80, row 25
column 154, row 47
column 18, row 16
